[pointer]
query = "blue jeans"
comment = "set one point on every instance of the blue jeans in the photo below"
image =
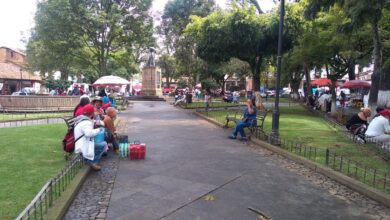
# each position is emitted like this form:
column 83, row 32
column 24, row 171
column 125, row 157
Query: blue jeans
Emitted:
column 239, row 128
column 99, row 149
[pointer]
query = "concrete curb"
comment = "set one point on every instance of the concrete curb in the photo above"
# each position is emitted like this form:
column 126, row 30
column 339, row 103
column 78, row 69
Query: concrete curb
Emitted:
column 61, row 205
column 370, row 192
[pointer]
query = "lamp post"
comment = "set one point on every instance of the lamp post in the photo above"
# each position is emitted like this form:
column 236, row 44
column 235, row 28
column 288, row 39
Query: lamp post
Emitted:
column 276, row 113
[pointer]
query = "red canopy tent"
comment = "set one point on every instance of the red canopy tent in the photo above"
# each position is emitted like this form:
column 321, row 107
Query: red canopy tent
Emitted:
column 323, row 82
column 356, row 84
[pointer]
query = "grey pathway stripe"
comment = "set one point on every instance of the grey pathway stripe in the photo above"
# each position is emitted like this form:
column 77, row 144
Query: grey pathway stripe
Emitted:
column 201, row 196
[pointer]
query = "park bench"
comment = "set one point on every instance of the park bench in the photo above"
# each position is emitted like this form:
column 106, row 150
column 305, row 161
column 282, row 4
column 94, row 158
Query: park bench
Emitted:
column 70, row 121
column 237, row 117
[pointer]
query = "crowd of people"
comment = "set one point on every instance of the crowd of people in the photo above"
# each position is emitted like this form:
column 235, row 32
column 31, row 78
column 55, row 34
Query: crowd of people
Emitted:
column 95, row 128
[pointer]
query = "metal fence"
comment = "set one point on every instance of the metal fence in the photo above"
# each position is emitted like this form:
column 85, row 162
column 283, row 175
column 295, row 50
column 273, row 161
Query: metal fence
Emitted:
column 381, row 148
column 376, row 178
column 52, row 190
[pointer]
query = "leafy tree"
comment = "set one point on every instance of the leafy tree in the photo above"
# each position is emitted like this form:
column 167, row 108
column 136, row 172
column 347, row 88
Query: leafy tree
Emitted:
column 340, row 50
column 244, row 3
column 168, row 68
column 175, row 18
column 74, row 34
column 238, row 33
column 54, row 45
column 327, row 41
column 294, row 72
column 363, row 12
column 57, row 84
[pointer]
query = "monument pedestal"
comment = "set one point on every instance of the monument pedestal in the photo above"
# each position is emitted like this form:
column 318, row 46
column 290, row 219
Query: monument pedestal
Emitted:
column 151, row 81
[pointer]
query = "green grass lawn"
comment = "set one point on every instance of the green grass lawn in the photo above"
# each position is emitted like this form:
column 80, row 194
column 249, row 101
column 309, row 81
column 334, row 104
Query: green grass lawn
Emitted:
column 281, row 100
column 213, row 104
column 23, row 116
column 300, row 126
column 29, row 157
column 218, row 102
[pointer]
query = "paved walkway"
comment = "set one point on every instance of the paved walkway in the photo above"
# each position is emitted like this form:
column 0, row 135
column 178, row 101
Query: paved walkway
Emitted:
column 192, row 171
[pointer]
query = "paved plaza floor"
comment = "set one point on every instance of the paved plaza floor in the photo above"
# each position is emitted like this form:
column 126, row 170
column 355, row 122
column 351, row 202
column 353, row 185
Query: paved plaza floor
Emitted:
column 193, row 171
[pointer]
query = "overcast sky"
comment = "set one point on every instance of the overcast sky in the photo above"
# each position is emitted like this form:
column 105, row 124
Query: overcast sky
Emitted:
column 17, row 18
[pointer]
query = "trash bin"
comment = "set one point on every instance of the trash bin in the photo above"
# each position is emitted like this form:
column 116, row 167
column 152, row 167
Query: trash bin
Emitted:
column 189, row 98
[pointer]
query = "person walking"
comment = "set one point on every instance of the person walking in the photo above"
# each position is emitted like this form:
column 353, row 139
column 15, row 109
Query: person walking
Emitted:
column 343, row 99
column 207, row 100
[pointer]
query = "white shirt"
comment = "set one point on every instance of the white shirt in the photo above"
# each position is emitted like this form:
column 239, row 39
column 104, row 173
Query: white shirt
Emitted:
column 378, row 126
column 206, row 98
column 86, row 144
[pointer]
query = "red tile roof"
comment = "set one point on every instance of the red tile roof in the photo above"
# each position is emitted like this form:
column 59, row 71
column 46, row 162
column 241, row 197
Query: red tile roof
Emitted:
column 12, row 71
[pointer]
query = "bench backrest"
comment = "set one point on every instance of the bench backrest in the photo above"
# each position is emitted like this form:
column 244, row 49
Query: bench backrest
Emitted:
column 261, row 114
column 261, row 117
column 70, row 121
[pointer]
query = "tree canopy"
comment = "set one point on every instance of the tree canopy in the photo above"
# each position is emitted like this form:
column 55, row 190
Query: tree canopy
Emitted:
column 363, row 12
column 83, row 37
column 239, row 33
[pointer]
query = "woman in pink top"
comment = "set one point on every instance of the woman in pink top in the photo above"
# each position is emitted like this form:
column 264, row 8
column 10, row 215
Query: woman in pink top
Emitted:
column 79, row 108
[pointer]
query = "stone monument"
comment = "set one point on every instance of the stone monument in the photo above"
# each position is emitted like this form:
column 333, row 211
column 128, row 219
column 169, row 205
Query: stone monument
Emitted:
column 151, row 76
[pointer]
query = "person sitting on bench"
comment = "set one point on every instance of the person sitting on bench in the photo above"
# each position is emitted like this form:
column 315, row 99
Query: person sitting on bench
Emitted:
column 110, row 127
column 249, row 119
column 379, row 128
column 358, row 120
column 85, row 133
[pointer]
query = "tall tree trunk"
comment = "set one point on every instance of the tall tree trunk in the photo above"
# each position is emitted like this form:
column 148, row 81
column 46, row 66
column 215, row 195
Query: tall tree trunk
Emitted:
column 377, row 51
column 256, row 4
column 333, row 108
column 309, row 91
column 64, row 75
column 295, row 82
column 256, row 74
column 384, row 89
column 168, row 82
column 351, row 69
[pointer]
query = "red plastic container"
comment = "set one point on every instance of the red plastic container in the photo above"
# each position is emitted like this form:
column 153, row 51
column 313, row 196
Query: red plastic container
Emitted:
column 137, row 151
column 142, row 151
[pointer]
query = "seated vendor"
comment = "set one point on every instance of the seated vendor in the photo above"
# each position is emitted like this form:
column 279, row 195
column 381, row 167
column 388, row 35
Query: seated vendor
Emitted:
column 97, row 102
column 358, row 119
column 379, row 128
column 110, row 127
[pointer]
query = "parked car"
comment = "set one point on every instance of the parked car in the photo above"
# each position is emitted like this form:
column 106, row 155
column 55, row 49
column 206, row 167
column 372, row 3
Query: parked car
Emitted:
column 25, row 91
column 269, row 93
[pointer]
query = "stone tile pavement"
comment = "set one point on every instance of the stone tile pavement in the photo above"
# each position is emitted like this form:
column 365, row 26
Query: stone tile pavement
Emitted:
column 192, row 171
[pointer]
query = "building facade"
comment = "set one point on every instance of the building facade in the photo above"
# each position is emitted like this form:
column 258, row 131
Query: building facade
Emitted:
column 13, row 73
